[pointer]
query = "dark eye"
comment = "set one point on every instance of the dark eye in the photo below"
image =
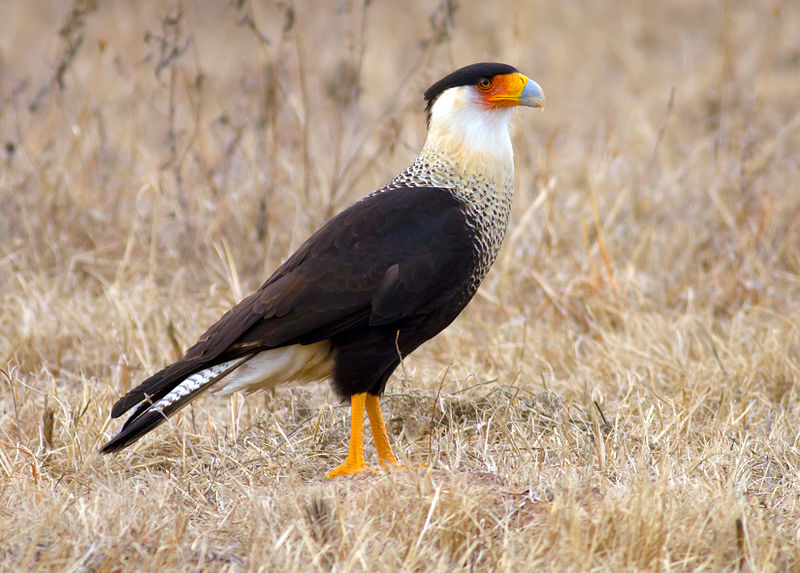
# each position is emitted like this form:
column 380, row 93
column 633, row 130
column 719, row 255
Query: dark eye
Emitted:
column 484, row 83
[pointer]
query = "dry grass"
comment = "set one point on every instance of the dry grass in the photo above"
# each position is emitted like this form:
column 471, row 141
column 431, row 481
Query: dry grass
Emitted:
column 622, row 395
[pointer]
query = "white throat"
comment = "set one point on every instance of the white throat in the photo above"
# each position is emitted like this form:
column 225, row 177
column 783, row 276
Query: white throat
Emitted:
column 465, row 130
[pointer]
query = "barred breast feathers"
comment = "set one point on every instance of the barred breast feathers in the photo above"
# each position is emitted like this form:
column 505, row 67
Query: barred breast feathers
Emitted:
column 467, row 151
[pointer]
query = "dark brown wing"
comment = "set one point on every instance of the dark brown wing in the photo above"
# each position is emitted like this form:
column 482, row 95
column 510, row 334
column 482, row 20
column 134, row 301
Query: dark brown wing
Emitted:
column 389, row 256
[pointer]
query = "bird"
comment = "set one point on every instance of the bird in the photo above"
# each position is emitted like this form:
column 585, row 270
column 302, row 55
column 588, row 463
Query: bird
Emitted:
column 375, row 282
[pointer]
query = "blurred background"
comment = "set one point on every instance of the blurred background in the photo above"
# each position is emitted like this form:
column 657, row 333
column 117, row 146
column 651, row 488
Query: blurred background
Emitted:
column 159, row 159
column 187, row 148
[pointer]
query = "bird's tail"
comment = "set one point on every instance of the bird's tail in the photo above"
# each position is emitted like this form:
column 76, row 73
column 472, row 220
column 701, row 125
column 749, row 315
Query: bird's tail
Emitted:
column 152, row 411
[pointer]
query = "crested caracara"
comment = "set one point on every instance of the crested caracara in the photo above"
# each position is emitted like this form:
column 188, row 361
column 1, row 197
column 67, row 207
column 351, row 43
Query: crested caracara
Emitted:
column 375, row 282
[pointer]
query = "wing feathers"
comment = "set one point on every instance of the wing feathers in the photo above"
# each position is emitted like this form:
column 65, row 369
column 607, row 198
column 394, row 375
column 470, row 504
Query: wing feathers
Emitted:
column 387, row 258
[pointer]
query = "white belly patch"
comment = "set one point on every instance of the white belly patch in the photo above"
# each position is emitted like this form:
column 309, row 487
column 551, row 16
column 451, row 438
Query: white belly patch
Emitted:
column 297, row 363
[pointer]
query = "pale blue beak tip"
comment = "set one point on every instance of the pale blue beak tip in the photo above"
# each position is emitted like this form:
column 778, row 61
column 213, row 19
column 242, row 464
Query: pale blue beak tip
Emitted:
column 532, row 95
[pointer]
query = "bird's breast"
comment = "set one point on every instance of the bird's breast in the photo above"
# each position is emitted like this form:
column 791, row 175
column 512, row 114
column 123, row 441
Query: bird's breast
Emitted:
column 486, row 188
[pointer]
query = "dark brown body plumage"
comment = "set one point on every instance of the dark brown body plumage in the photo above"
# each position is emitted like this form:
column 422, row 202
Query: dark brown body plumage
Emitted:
column 384, row 275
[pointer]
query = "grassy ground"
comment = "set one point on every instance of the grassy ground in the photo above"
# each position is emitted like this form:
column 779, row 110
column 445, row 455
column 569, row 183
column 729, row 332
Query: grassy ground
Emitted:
column 621, row 395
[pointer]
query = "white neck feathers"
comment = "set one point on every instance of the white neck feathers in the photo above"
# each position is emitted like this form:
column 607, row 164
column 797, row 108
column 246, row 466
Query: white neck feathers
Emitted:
column 472, row 135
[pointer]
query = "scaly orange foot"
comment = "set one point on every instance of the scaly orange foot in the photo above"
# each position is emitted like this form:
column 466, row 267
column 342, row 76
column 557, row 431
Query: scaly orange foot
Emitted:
column 348, row 468
column 355, row 458
column 379, row 433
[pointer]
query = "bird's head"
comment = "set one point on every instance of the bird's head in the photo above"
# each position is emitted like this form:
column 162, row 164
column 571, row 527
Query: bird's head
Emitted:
column 469, row 110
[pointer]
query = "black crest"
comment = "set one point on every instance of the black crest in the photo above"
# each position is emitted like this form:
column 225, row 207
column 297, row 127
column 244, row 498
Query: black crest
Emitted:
column 466, row 76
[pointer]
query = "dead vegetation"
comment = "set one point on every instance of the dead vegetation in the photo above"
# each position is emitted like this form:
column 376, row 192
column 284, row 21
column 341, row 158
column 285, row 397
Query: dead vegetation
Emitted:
column 621, row 395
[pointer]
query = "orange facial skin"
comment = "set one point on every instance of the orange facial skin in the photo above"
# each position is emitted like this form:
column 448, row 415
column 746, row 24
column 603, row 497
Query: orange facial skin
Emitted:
column 507, row 90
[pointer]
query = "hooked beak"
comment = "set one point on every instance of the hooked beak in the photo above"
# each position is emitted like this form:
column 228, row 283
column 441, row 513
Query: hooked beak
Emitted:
column 531, row 95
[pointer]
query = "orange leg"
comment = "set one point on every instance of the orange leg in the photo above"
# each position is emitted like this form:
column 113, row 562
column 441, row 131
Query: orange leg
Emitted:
column 355, row 458
column 379, row 433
